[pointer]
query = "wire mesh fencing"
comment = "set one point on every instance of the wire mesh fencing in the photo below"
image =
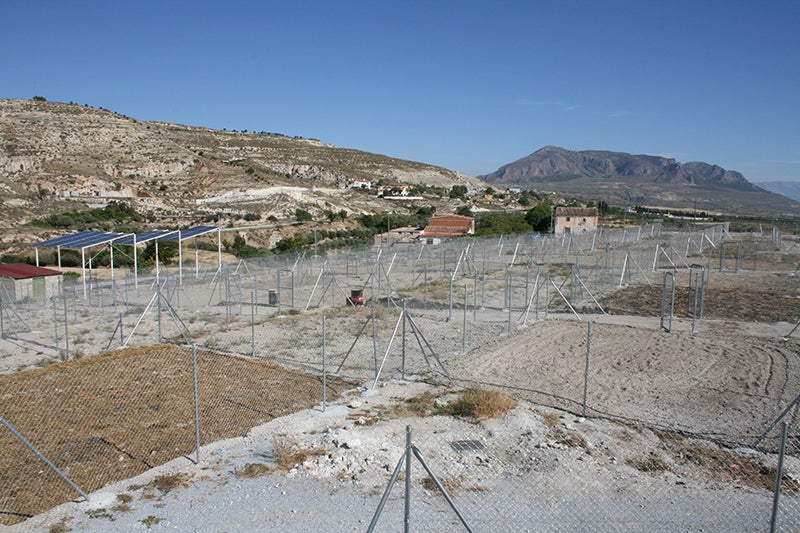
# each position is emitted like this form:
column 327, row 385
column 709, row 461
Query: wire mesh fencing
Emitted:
column 202, row 357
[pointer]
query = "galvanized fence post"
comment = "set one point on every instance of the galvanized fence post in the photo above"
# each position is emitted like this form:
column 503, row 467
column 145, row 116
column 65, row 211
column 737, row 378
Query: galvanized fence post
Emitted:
column 586, row 370
column 464, row 327
column 196, row 404
column 324, row 363
column 66, row 332
column 778, row 480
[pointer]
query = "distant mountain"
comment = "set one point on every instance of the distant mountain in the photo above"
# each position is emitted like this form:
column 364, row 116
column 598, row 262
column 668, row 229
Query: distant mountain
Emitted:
column 790, row 189
column 625, row 179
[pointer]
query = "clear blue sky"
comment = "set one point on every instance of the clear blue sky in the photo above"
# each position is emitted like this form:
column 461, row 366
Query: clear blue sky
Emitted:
column 463, row 84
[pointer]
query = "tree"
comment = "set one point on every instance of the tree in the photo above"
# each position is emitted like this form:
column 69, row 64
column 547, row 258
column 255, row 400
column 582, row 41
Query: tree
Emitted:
column 426, row 211
column 290, row 244
column 465, row 211
column 501, row 223
column 167, row 251
column 240, row 248
column 458, row 191
column 302, row 215
column 539, row 217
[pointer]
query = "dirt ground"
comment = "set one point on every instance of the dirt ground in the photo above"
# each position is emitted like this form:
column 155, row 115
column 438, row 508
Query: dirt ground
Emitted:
column 724, row 377
column 743, row 296
column 115, row 415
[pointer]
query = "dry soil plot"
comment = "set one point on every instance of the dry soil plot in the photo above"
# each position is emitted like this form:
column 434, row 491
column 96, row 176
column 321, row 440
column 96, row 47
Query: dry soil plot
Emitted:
column 726, row 380
column 115, row 415
column 744, row 296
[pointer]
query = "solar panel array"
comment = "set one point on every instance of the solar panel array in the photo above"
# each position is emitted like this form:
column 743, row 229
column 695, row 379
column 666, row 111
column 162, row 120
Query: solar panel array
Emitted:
column 86, row 239
column 83, row 239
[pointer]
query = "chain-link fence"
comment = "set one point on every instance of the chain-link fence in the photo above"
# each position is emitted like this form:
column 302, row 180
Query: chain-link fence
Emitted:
column 206, row 356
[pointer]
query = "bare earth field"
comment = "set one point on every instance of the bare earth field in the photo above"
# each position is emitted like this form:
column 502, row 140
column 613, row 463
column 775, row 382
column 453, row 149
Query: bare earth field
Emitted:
column 665, row 443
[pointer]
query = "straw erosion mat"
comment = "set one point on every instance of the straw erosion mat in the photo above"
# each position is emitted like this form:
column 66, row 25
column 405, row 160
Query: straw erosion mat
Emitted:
column 117, row 414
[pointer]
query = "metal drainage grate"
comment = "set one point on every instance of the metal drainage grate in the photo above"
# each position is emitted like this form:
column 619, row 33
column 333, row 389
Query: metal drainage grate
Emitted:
column 467, row 445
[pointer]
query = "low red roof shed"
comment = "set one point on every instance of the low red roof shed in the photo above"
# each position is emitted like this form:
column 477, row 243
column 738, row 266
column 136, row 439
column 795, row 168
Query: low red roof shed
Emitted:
column 25, row 271
column 20, row 281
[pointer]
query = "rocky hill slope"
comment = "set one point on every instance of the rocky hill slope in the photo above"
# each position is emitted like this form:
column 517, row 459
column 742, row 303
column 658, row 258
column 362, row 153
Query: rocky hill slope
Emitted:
column 621, row 178
column 54, row 156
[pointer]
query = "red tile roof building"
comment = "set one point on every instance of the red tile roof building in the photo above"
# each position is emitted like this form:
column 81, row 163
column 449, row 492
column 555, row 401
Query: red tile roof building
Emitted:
column 449, row 226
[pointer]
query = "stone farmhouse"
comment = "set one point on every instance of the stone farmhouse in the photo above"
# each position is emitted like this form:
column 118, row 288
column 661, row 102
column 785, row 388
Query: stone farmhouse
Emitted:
column 576, row 220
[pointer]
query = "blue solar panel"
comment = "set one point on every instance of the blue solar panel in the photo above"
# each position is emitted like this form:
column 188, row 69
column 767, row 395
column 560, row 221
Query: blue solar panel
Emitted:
column 83, row 239
column 188, row 233
column 143, row 237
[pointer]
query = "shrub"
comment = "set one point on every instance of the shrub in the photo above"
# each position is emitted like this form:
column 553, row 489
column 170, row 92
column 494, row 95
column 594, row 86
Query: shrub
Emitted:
column 302, row 215
column 480, row 404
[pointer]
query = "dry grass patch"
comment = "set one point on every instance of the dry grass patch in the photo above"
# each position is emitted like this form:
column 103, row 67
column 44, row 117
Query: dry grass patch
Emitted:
column 288, row 455
column 423, row 404
column 551, row 420
column 450, row 484
column 563, row 436
column 479, row 404
column 652, row 463
column 60, row 526
column 724, row 465
column 254, row 470
column 169, row 482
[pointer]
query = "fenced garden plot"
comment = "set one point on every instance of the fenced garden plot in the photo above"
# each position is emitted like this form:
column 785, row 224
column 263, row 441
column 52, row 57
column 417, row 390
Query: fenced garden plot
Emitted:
column 115, row 415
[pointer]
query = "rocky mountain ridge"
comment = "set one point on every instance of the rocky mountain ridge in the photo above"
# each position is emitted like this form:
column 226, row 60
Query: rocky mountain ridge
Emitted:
column 622, row 178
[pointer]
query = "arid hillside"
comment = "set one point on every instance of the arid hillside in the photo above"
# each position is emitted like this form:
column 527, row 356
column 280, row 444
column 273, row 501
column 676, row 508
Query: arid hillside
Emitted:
column 57, row 157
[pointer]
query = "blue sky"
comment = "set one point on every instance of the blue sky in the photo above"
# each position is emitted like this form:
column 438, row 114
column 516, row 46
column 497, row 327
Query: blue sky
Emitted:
column 463, row 84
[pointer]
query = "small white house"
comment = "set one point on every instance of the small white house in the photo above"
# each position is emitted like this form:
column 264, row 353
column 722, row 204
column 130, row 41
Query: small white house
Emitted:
column 361, row 184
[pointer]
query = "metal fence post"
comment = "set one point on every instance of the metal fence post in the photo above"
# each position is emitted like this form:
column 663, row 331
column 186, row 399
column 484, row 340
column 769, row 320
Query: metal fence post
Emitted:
column 66, row 332
column 196, row 404
column 324, row 363
column 407, row 506
column 450, row 308
column 586, row 371
column 778, row 479
column 464, row 338
column 55, row 320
